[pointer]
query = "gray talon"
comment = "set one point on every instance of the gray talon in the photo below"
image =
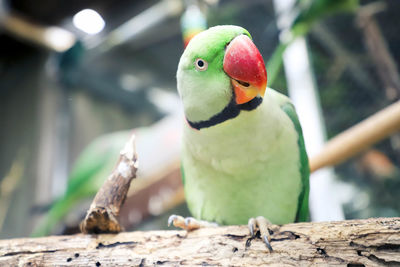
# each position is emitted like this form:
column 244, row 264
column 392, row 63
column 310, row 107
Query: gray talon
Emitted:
column 251, row 230
column 187, row 220
column 171, row 219
column 267, row 243
column 261, row 224
column 251, row 225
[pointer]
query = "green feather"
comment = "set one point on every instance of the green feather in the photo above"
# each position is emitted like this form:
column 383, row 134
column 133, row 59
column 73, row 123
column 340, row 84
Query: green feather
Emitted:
column 302, row 210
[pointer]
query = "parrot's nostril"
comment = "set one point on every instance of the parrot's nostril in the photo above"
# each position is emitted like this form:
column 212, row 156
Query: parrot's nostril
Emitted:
column 243, row 83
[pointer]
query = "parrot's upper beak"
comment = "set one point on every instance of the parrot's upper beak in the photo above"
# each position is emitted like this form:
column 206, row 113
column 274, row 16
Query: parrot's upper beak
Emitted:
column 245, row 66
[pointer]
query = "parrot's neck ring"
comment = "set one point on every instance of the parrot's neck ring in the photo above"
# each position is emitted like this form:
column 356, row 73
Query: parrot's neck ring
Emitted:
column 231, row 111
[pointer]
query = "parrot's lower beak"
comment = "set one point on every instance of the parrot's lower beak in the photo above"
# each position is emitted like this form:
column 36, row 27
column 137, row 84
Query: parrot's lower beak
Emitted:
column 245, row 66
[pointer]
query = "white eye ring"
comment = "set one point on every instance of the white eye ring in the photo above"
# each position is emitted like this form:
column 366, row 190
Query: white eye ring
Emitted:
column 201, row 64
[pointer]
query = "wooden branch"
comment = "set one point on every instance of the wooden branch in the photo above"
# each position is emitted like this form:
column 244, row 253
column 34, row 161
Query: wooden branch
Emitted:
column 45, row 36
column 103, row 214
column 359, row 137
column 372, row 242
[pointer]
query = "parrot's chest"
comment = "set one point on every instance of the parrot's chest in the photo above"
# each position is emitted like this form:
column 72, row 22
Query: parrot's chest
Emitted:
column 245, row 169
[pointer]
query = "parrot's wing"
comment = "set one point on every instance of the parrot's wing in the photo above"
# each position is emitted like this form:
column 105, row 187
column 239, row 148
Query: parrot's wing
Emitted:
column 286, row 105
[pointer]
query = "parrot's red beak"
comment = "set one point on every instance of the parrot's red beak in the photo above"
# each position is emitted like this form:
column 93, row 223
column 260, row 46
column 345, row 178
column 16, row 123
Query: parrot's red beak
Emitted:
column 245, row 65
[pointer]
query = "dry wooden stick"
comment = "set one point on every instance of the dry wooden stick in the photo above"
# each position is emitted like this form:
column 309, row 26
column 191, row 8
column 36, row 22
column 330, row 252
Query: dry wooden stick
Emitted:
column 38, row 34
column 357, row 138
column 378, row 49
column 103, row 214
column 372, row 242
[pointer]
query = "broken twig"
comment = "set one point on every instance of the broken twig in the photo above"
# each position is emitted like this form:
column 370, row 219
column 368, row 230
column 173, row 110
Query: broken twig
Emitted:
column 103, row 214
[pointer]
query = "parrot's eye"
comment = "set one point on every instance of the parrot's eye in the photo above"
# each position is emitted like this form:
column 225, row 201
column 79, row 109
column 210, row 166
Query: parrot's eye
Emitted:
column 201, row 64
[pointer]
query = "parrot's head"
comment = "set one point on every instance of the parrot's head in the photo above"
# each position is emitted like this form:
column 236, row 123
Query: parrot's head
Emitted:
column 220, row 73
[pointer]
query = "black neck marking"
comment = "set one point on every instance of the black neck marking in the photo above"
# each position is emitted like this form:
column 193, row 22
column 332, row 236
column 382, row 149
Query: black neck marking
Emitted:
column 231, row 111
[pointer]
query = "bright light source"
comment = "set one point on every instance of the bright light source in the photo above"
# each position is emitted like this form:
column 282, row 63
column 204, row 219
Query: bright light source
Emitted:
column 58, row 39
column 89, row 21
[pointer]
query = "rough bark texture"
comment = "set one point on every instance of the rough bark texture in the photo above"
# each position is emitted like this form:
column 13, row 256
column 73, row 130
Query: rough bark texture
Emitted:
column 372, row 242
column 103, row 214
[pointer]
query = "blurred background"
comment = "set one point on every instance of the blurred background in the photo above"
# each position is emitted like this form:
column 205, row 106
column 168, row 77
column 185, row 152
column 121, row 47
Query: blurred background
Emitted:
column 77, row 78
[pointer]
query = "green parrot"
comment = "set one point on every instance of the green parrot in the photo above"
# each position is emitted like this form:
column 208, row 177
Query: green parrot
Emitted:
column 243, row 154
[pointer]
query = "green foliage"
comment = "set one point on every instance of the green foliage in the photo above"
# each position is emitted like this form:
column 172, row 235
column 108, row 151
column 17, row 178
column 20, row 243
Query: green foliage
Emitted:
column 310, row 12
column 274, row 65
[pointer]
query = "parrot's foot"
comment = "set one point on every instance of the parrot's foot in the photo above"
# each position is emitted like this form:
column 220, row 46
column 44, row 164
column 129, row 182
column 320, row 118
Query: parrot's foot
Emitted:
column 262, row 224
column 188, row 223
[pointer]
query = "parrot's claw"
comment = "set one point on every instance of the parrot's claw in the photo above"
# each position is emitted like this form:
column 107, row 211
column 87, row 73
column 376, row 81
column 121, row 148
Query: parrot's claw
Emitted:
column 262, row 224
column 188, row 223
column 252, row 225
column 171, row 219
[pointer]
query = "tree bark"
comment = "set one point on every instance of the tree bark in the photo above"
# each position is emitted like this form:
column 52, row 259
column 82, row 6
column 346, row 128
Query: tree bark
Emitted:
column 372, row 242
column 103, row 214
